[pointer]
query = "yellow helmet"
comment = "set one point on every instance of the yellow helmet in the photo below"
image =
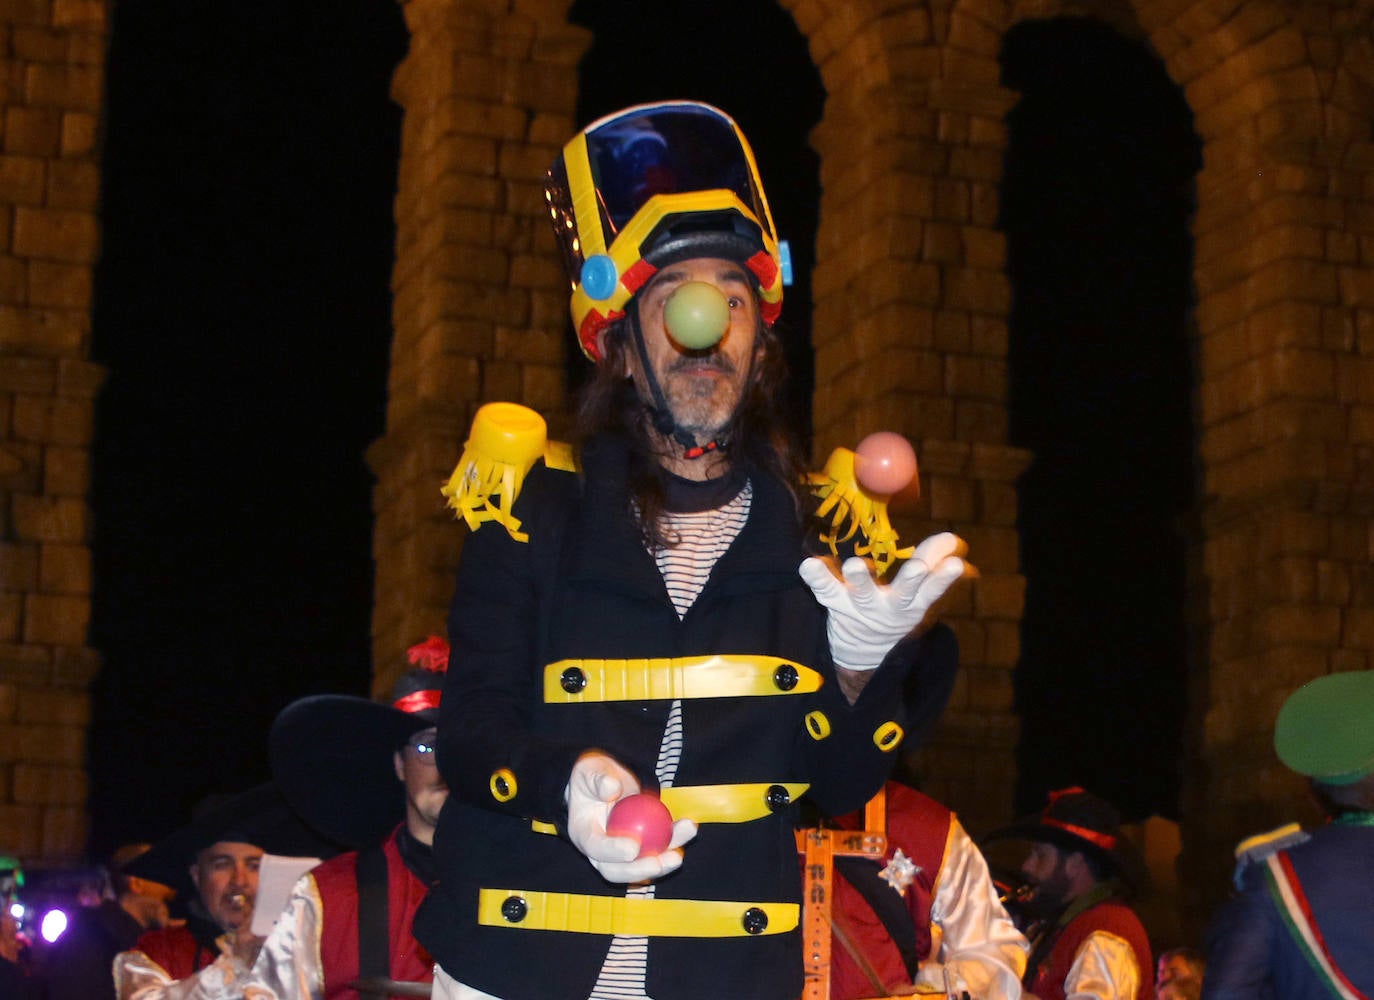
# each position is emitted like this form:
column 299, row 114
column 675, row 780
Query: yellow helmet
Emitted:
column 650, row 186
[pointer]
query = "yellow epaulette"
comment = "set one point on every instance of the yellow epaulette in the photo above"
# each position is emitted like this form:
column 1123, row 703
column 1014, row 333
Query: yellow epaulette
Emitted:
column 1255, row 849
column 848, row 510
column 505, row 441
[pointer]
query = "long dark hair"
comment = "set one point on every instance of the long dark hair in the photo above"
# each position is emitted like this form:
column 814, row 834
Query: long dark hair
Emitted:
column 758, row 438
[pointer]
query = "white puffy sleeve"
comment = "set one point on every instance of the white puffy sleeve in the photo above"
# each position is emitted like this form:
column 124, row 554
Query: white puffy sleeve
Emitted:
column 980, row 950
column 288, row 965
column 1104, row 969
column 138, row 977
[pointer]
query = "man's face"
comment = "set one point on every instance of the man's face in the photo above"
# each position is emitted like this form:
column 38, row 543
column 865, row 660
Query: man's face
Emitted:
column 426, row 792
column 1044, row 868
column 1174, row 969
column 703, row 388
column 226, row 875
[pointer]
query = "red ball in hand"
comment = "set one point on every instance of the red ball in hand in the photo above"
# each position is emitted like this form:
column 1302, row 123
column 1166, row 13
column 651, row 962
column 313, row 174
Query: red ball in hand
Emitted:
column 884, row 463
column 642, row 817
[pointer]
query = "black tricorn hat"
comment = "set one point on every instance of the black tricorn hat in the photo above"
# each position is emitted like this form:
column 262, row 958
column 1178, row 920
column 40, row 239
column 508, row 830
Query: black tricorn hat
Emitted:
column 331, row 754
column 1077, row 820
column 258, row 816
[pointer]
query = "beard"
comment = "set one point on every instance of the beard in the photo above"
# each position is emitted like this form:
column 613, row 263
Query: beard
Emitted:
column 704, row 405
column 1050, row 897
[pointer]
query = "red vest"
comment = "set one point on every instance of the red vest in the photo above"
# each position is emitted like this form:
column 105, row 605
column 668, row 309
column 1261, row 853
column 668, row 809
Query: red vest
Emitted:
column 337, row 881
column 176, row 950
column 919, row 826
column 1111, row 916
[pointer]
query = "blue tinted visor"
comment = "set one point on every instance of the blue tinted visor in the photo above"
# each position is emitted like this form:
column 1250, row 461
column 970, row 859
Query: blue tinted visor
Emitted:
column 660, row 149
column 667, row 149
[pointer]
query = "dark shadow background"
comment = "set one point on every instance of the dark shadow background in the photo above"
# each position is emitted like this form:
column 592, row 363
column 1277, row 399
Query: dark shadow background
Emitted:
column 242, row 309
column 1096, row 201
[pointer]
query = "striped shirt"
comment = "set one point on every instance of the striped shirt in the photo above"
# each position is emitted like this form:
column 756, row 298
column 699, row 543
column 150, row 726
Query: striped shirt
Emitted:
column 698, row 540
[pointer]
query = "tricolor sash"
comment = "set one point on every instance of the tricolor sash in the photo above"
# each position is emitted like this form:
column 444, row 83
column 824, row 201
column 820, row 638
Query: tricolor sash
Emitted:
column 1297, row 916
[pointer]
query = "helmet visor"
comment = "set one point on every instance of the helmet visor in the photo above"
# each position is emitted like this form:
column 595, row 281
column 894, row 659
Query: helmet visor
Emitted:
column 631, row 156
column 666, row 149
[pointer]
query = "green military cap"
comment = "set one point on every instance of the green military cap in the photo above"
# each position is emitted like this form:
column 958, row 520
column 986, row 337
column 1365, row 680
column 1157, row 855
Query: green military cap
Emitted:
column 1325, row 729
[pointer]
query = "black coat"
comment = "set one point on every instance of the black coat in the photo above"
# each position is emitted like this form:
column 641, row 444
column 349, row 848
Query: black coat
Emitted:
column 584, row 586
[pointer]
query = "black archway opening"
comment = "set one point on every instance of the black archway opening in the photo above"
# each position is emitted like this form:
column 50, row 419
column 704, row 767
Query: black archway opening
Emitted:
column 242, row 309
column 751, row 61
column 1097, row 197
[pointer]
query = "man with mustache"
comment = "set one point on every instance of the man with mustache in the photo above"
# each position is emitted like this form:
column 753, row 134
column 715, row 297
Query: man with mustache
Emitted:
column 1086, row 942
column 641, row 621
column 225, row 843
column 360, row 773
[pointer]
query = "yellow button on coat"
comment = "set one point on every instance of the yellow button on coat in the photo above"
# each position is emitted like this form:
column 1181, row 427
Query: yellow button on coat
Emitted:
column 817, row 725
column 888, row 736
column 503, row 787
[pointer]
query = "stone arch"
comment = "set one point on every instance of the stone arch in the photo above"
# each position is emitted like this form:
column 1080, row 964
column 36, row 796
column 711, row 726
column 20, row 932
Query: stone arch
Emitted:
column 911, row 300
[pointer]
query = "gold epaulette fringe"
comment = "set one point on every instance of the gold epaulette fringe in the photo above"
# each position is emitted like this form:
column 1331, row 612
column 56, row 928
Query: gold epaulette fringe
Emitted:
column 848, row 511
column 505, row 441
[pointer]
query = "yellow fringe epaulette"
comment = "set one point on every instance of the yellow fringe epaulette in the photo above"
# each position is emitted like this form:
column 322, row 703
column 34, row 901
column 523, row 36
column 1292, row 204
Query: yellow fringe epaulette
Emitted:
column 505, row 441
column 847, row 511
column 1254, row 849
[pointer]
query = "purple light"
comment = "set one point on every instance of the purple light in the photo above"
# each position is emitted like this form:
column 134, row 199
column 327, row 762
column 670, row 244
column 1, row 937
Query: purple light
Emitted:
column 54, row 925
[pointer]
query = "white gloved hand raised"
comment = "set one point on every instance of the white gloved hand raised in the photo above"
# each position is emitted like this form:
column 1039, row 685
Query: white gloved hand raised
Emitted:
column 597, row 782
column 867, row 618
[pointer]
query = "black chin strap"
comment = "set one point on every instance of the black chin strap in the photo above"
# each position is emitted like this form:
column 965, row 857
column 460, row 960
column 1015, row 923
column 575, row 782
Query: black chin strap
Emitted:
column 659, row 411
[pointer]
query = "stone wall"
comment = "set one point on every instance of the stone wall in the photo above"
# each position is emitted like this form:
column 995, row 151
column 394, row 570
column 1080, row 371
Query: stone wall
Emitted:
column 1281, row 94
column 488, row 95
column 52, row 55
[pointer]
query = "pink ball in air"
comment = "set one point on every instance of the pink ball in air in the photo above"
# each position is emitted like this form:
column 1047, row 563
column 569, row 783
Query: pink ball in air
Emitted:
column 642, row 817
column 884, row 463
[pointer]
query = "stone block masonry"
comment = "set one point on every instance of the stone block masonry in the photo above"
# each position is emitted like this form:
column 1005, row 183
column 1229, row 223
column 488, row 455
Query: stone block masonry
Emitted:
column 52, row 67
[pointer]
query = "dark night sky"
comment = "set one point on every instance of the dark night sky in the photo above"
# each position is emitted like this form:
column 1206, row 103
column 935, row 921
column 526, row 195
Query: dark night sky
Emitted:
column 243, row 313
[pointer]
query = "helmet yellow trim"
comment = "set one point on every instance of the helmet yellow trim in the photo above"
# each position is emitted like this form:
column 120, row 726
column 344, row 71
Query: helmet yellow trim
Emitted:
column 624, row 250
column 583, row 191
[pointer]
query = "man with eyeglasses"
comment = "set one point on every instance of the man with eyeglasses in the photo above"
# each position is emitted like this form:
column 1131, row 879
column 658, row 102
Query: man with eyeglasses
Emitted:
column 362, row 773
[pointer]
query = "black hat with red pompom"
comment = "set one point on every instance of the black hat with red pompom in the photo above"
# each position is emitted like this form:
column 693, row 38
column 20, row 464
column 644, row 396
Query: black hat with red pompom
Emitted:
column 1077, row 820
column 331, row 754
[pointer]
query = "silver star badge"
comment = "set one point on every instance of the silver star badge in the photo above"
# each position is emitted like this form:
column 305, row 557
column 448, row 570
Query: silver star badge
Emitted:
column 900, row 872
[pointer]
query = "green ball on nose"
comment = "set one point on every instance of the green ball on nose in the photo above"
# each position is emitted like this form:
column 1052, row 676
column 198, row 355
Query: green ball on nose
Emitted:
column 696, row 315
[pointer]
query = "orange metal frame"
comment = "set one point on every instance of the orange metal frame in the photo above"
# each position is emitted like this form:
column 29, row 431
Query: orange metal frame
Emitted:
column 820, row 848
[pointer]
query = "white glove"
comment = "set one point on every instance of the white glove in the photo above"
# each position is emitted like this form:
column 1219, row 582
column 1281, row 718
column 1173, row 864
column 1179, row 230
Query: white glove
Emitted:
column 867, row 618
column 598, row 781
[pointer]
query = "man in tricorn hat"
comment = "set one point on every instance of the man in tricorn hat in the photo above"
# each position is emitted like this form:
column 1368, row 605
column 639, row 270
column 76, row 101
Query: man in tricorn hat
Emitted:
column 362, row 773
column 213, row 861
column 1302, row 926
column 1085, row 940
